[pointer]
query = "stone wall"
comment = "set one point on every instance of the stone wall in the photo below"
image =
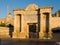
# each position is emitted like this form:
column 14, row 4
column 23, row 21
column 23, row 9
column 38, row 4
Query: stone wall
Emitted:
column 34, row 14
column 4, row 32
column 55, row 22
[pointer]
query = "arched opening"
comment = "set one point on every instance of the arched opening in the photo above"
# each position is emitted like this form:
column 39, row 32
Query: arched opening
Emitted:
column 56, row 30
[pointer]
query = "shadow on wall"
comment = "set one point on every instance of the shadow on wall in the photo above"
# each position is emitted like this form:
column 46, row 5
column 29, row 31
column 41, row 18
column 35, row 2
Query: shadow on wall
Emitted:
column 56, row 33
column 38, row 14
column 56, row 30
column 38, row 20
column 0, row 41
column 11, row 29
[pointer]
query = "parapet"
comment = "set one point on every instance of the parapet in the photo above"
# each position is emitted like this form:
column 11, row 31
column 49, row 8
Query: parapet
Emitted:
column 47, row 7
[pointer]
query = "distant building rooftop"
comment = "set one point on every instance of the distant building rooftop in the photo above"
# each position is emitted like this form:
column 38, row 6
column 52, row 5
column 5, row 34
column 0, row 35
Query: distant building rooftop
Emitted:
column 18, row 9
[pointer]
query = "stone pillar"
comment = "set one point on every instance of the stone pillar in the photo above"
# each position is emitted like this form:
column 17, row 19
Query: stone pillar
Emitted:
column 17, row 24
column 23, row 33
column 27, row 31
column 37, row 31
column 42, row 28
column 50, row 34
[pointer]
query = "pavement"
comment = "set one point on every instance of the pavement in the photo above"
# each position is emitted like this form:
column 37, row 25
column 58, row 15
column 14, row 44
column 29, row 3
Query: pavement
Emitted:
column 12, row 41
column 28, row 42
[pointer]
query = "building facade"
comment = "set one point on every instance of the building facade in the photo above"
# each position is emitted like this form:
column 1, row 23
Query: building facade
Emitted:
column 35, row 20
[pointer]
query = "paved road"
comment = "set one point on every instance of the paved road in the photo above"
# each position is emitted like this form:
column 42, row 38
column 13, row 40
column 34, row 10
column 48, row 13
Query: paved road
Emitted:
column 54, row 41
column 27, row 42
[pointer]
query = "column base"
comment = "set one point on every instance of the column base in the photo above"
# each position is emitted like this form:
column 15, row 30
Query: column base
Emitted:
column 45, row 35
column 42, row 35
column 15, row 35
column 50, row 35
column 20, row 35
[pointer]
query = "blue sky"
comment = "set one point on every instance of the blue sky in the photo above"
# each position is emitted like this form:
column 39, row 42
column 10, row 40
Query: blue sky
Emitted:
column 24, row 3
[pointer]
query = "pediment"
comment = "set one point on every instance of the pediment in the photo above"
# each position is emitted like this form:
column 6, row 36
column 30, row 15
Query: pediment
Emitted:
column 32, row 7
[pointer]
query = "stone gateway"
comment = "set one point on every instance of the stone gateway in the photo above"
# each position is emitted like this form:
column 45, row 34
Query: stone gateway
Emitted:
column 35, row 22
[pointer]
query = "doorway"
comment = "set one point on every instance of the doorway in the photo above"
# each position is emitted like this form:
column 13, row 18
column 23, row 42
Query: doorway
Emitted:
column 32, row 30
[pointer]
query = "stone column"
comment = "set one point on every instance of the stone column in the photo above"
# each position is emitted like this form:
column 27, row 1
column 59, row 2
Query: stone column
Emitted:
column 27, row 31
column 50, row 30
column 37, row 31
column 42, row 28
column 16, row 26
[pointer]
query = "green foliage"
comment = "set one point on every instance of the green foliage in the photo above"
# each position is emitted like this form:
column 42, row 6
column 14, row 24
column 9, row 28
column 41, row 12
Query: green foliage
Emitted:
column 7, row 25
column 2, row 25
